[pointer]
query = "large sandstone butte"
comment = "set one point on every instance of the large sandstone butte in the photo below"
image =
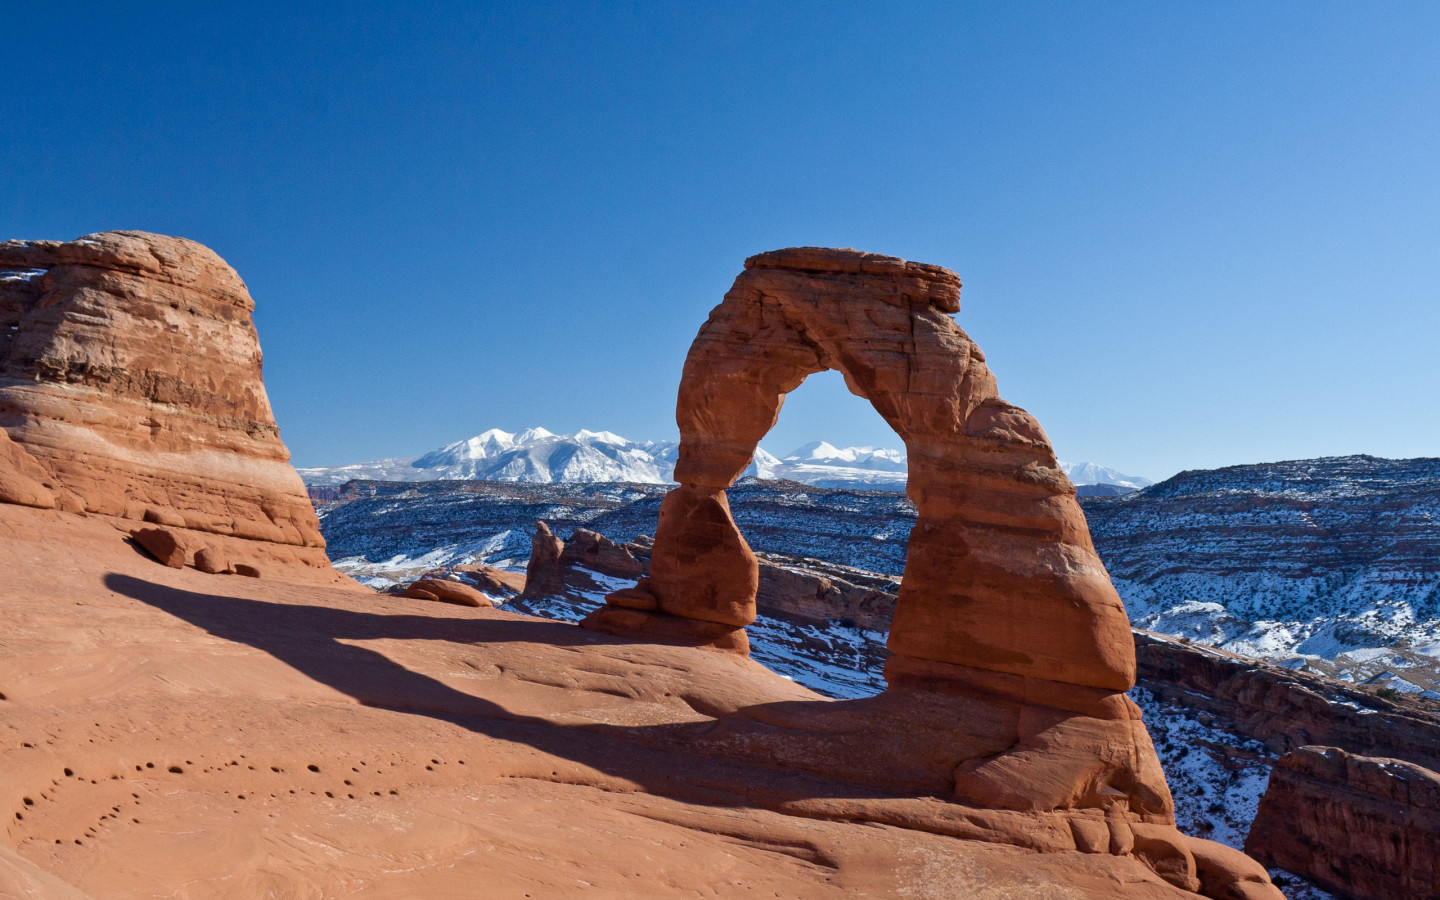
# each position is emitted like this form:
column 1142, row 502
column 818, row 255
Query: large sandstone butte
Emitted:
column 130, row 388
column 1004, row 602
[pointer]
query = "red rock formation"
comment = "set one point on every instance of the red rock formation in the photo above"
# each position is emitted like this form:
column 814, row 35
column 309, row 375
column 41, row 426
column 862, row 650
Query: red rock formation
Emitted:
column 162, row 544
column 493, row 581
column 447, row 592
column 542, row 574
column 211, row 561
column 1011, row 648
column 597, row 552
column 999, row 531
column 813, row 591
column 1284, row 708
column 559, row 567
column 1349, row 824
column 130, row 387
column 1365, row 827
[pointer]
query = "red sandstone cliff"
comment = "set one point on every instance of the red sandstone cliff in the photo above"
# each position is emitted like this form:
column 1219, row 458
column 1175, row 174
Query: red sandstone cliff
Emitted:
column 130, row 387
column 1364, row 827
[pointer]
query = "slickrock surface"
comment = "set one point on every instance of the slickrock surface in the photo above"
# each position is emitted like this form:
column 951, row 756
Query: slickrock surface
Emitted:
column 130, row 388
column 1366, row 827
column 190, row 735
column 1006, row 623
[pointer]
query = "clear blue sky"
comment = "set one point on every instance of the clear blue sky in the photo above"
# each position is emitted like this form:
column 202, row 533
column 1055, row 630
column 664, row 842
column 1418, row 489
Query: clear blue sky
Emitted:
column 1191, row 234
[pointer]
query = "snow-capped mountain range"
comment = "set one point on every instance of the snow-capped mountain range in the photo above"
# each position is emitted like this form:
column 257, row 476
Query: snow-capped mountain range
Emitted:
column 538, row 456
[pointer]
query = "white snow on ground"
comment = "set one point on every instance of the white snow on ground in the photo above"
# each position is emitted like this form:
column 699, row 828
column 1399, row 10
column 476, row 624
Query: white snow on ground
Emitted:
column 576, row 607
column 1216, row 775
column 1297, row 888
column 831, row 659
column 402, row 569
column 21, row 274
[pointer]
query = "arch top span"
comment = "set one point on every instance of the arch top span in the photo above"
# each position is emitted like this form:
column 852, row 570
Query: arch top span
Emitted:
column 1001, row 576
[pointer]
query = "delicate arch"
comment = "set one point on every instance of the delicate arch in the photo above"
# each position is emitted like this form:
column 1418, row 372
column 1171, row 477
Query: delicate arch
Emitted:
column 1001, row 575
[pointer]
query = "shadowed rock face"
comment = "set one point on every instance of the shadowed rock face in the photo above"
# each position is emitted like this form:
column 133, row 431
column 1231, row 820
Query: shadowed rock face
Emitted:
column 130, row 383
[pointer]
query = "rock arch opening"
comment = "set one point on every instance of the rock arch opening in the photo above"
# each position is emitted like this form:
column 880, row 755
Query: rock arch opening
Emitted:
column 1001, row 579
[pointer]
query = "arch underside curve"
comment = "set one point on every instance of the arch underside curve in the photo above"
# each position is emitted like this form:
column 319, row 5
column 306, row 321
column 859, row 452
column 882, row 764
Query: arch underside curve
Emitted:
column 1000, row 576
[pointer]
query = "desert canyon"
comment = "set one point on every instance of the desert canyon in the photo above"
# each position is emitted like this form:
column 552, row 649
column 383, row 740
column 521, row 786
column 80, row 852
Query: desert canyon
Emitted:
column 194, row 703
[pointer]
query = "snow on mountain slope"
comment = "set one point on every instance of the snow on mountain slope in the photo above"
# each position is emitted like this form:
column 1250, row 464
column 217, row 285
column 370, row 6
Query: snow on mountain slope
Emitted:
column 1328, row 564
column 1089, row 473
column 762, row 465
column 878, row 469
column 535, row 456
column 539, row 456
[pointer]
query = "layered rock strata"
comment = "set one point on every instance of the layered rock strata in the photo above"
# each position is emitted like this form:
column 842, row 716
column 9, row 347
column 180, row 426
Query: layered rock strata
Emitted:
column 1008, row 639
column 130, row 387
column 815, row 591
column 1351, row 804
column 1283, row 708
column 1365, row 827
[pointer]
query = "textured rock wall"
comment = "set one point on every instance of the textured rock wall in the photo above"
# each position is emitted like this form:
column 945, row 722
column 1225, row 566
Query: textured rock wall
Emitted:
column 1350, row 815
column 1365, row 827
column 1285, row 709
column 130, row 386
column 815, row 591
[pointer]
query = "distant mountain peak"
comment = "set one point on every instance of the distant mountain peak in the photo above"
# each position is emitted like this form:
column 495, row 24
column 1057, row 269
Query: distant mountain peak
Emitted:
column 1082, row 473
column 814, row 450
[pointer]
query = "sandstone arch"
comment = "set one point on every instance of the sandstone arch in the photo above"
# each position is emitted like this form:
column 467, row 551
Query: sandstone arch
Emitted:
column 1001, row 575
